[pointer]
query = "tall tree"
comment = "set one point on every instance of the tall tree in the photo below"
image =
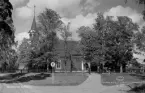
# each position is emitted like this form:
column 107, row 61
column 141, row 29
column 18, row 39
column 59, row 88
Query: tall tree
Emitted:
column 66, row 34
column 49, row 23
column 121, row 37
column 6, row 28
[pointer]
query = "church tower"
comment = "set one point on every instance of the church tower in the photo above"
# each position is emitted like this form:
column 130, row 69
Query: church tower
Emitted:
column 33, row 31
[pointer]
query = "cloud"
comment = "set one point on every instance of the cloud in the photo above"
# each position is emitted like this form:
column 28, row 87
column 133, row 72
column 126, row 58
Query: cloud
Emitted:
column 63, row 7
column 79, row 21
column 69, row 10
column 66, row 8
column 24, row 12
column 125, row 11
column 15, row 2
column 90, row 5
column 21, row 36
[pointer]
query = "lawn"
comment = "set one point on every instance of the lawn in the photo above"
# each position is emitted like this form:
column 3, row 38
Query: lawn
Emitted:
column 45, row 79
column 61, row 79
column 111, row 79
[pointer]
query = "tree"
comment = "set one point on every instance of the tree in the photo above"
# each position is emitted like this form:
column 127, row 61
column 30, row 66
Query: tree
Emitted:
column 24, row 51
column 6, row 29
column 49, row 24
column 9, row 61
column 110, row 41
column 119, row 41
column 66, row 34
column 87, row 42
column 12, row 64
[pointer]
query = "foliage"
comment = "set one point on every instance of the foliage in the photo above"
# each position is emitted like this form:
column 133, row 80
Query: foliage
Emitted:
column 40, row 48
column 24, row 51
column 6, row 30
column 12, row 64
column 6, row 25
column 49, row 23
column 88, row 42
column 119, row 40
column 139, row 39
column 109, row 41
column 9, row 61
column 135, row 63
column 66, row 34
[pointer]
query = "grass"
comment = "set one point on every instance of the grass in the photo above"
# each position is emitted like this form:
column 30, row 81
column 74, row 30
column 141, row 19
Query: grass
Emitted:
column 138, row 88
column 45, row 79
column 137, row 81
column 61, row 79
column 110, row 79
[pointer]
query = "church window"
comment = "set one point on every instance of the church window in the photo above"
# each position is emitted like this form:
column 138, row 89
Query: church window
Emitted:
column 58, row 65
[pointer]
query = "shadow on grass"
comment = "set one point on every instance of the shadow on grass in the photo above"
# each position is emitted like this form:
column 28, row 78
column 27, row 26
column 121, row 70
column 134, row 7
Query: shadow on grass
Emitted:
column 22, row 78
column 137, row 89
column 11, row 76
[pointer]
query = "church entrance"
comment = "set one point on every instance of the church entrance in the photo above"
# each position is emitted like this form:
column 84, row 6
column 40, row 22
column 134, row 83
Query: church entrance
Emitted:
column 94, row 67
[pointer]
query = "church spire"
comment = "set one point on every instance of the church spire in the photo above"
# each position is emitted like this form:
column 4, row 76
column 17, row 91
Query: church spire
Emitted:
column 33, row 26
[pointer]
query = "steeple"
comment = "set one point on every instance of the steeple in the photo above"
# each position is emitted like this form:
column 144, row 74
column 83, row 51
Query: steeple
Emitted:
column 33, row 26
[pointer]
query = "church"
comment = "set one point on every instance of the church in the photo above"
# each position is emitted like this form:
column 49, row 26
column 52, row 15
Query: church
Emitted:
column 75, row 60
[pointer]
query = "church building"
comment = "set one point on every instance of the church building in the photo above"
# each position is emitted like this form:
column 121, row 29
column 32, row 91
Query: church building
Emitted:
column 75, row 60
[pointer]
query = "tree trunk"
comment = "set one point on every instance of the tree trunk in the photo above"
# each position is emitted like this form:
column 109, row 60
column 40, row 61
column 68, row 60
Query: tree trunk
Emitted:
column 71, row 63
column 65, row 66
column 65, row 49
column 71, row 66
column 121, row 68
column 47, row 67
column 89, row 68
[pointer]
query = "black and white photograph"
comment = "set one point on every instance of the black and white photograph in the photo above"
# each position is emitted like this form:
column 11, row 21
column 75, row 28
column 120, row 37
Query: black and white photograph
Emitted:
column 72, row 46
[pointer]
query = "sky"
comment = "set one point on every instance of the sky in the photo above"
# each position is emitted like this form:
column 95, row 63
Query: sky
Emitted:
column 78, row 12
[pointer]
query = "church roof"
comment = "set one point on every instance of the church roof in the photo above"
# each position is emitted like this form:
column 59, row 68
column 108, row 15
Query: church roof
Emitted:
column 33, row 26
column 73, row 47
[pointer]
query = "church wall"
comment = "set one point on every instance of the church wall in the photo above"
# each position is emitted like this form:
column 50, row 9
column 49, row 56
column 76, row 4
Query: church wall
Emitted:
column 77, row 64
